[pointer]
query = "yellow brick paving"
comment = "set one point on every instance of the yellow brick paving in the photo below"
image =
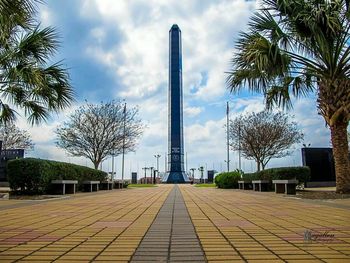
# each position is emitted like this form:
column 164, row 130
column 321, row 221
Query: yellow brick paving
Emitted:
column 246, row 226
column 103, row 227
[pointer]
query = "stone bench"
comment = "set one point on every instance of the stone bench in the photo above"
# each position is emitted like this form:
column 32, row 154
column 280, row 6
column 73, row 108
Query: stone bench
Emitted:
column 68, row 186
column 261, row 185
column 106, row 185
column 118, row 185
column 90, row 186
column 285, row 186
column 245, row 185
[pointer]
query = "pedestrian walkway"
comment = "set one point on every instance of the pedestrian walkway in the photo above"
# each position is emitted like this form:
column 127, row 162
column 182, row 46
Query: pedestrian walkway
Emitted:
column 171, row 237
column 247, row 226
column 92, row 228
column 175, row 223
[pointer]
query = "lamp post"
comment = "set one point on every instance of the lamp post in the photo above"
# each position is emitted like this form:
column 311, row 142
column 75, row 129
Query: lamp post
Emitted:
column 145, row 169
column 201, row 169
column 157, row 156
column 154, row 176
column 193, row 169
column 151, row 168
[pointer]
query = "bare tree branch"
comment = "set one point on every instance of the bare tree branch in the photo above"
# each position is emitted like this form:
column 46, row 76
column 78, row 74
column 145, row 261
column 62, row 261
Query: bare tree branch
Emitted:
column 96, row 131
column 263, row 136
column 15, row 138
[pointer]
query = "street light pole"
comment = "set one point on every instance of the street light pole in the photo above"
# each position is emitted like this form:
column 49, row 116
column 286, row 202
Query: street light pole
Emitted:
column 145, row 168
column 201, row 169
column 151, row 171
column 157, row 156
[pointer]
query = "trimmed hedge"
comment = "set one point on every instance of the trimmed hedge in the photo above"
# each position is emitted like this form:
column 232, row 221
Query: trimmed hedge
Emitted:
column 33, row 176
column 250, row 176
column 301, row 173
column 228, row 179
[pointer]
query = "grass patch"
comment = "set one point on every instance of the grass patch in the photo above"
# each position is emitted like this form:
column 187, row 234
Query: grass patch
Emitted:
column 205, row 185
column 142, row 185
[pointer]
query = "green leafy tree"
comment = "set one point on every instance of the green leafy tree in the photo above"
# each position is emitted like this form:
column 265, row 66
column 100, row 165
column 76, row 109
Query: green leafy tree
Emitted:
column 27, row 80
column 297, row 47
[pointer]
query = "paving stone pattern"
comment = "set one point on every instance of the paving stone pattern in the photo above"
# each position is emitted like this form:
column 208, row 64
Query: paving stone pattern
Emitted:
column 171, row 237
column 247, row 226
column 99, row 227
column 161, row 224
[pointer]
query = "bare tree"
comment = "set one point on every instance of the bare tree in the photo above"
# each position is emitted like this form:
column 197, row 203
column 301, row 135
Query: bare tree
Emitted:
column 97, row 131
column 14, row 138
column 263, row 136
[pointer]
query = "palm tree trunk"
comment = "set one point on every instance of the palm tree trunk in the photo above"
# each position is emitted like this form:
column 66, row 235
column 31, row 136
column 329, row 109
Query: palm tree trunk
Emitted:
column 341, row 157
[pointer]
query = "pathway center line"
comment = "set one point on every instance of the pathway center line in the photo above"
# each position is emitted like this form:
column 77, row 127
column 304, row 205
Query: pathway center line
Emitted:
column 172, row 236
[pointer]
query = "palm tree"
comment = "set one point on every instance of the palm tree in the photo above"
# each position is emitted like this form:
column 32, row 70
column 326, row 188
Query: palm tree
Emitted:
column 292, row 48
column 27, row 81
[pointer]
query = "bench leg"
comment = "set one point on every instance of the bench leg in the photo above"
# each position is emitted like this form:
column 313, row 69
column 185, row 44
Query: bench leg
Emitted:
column 73, row 188
column 279, row 189
column 290, row 189
column 64, row 189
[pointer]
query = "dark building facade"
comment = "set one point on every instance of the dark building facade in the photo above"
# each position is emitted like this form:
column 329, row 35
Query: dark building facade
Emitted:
column 175, row 173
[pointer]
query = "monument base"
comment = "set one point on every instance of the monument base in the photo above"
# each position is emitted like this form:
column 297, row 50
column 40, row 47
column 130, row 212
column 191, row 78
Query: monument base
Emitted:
column 175, row 178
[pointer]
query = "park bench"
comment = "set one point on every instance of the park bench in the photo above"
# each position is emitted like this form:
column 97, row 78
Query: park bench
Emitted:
column 285, row 186
column 245, row 185
column 118, row 185
column 68, row 186
column 106, row 185
column 90, row 186
column 261, row 185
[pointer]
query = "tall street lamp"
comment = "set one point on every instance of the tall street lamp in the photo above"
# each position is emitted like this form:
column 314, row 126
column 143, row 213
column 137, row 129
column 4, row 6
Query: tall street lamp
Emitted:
column 151, row 168
column 145, row 169
column 157, row 156
column 201, row 169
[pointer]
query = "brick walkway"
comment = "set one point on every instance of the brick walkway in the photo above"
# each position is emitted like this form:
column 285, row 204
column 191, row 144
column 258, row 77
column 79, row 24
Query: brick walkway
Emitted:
column 241, row 226
column 99, row 227
column 171, row 237
column 228, row 226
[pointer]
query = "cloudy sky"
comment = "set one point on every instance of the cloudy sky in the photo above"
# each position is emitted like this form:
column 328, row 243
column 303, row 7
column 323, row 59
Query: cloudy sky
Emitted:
column 119, row 50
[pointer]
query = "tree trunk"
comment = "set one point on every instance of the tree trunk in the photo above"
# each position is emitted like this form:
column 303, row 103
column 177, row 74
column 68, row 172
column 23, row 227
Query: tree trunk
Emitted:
column 258, row 165
column 341, row 157
column 96, row 164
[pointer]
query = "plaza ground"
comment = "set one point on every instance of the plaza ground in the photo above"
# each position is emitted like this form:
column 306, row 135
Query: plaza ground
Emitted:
column 175, row 224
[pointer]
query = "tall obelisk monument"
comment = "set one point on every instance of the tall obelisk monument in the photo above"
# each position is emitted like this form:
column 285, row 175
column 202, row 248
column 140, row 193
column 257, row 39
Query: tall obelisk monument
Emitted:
column 175, row 173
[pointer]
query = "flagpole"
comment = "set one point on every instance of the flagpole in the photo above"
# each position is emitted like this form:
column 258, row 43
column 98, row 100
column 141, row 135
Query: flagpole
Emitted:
column 123, row 153
column 228, row 141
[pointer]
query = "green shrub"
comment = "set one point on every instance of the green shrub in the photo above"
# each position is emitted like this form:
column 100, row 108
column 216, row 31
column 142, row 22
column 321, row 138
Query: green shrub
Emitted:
column 126, row 184
column 228, row 179
column 250, row 176
column 301, row 173
column 33, row 176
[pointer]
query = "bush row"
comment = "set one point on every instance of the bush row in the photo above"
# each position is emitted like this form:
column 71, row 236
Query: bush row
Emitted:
column 301, row 173
column 33, row 176
column 230, row 179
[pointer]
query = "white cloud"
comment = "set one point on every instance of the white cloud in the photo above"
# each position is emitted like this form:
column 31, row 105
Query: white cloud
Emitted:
column 192, row 111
